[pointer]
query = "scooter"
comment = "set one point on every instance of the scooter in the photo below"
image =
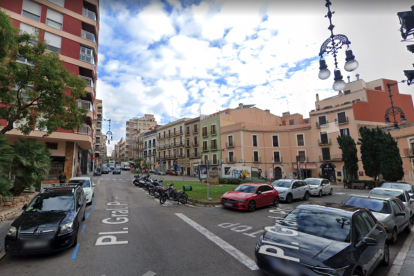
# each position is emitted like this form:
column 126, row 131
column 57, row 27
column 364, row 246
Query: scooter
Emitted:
column 97, row 173
column 179, row 196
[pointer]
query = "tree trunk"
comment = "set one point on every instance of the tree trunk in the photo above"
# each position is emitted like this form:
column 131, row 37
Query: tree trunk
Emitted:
column 7, row 128
column 18, row 188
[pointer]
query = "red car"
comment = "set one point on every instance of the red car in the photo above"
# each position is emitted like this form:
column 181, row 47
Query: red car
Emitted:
column 249, row 196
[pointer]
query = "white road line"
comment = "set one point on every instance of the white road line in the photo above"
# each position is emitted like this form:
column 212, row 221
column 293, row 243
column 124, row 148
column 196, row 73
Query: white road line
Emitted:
column 240, row 256
column 339, row 193
column 149, row 273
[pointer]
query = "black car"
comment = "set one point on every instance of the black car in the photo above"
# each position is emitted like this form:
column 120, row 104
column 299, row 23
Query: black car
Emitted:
column 323, row 239
column 116, row 171
column 106, row 170
column 49, row 223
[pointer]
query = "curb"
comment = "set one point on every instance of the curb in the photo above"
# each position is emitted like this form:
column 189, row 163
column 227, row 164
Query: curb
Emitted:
column 402, row 255
column 204, row 203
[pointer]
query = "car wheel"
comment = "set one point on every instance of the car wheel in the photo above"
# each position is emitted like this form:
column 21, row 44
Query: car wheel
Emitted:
column 75, row 242
column 289, row 198
column 394, row 237
column 252, row 206
column 410, row 224
column 320, row 194
column 276, row 201
column 386, row 258
column 306, row 196
column 331, row 192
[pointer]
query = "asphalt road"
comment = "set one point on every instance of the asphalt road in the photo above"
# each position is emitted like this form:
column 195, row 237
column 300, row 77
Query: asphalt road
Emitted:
column 154, row 239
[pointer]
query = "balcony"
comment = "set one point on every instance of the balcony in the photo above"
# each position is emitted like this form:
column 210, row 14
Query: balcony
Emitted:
column 341, row 121
column 324, row 142
column 205, row 148
column 277, row 160
column 168, row 146
column 97, row 147
column 89, row 82
column 85, row 130
column 231, row 160
column 326, row 124
column 213, row 133
column 409, row 152
column 86, row 55
column 97, row 141
column 303, row 158
column 85, row 104
column 187, row 133
column 213, row 147
column 169, row 156
column 337, row 157
column 195, row 144
column 89, row 14
column 187, row 145
column 87, row 35
column 195, row 155
column 230, row 145
column 195, row 131
column 205, row 134
column 256, row 160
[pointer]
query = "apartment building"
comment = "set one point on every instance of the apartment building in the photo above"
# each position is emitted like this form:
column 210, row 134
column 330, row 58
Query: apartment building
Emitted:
column 71, row 29
column 171, row 144
column 97, row 133
column 103, row 153
column 293, row 145
column 192, row 146
column 150, row 148
column 115, row 154
column 136, row 124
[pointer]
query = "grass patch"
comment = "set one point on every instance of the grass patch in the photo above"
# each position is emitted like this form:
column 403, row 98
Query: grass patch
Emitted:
column 199, row 191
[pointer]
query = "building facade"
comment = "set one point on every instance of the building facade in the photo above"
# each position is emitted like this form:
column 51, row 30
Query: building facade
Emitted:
column 192, row 146
column 210, row 141
column 136, row 124
column 71, row 29
column 150, row 148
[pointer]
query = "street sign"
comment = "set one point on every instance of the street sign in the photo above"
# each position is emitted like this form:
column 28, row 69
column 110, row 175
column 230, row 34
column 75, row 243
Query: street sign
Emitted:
column 184, row 162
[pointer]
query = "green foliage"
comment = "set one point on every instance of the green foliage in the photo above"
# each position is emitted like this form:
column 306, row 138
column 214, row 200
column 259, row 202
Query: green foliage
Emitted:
column 230, row 181
column 349, row 153
column 391, row 162
column 137, row 162
column 43, row 93
column 370, row 151
column 30, row 161
column 6, row 156
column 253, row 180
column 7, row 35
column 223, row 180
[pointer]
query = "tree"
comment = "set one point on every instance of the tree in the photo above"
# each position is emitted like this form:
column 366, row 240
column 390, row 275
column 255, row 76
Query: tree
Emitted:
column 6, row 156
column 30, row 161
column 39, row 93
column 391, row 162
column 370, row 151
column 349, row 154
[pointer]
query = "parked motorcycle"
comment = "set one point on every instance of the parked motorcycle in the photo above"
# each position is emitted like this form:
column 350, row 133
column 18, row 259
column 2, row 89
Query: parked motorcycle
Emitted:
column 179, row 196
column 153, row 186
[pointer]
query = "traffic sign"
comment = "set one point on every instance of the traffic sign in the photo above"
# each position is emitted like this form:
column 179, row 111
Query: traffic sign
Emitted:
column 184, row 162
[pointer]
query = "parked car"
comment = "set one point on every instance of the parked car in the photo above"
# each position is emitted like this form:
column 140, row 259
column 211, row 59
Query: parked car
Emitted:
column 290, row 189
column 159, row 172
column 116, row 171
column 319, row 186
column 106, row 170
column 398, row 193
column 49, row 223
column 171, row 172
column 323, row 239
column 153, row 171
column 388, row 210
column 87, row 185
column 249, row 196
column 397, row 185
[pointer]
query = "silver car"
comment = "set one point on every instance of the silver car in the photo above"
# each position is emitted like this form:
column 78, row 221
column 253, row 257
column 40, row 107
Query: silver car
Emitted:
column 389, row 210
column 398, row 193
column 319, row 186
column 290, row 189
column 398, row 185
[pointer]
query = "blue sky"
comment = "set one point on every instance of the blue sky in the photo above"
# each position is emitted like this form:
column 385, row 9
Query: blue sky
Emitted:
column 212, row 55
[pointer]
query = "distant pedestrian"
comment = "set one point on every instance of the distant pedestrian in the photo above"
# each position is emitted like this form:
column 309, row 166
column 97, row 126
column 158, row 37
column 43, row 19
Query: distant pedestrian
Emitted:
column 62, row 178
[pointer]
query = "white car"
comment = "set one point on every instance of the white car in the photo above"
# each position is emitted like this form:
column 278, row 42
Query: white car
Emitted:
column 290, row 189
column 87, row 185
column 319, row 186
column 401, row 194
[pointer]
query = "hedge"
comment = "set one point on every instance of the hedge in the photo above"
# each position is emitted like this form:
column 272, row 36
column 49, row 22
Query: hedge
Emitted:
column 240, row 181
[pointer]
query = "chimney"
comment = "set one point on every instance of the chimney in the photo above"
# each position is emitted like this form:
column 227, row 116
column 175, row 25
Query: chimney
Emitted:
column 240, row 106
column 317, row 97
column 357, row 76
column 349, row 79
column 267, row 110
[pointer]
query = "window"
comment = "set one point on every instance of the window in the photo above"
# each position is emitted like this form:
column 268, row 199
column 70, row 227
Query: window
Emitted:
column 214, row 159
column 369, row 221
column 302, row 155
column 324, row 138
column 326, row 155
column 174, row 131
column 360, row 228
column 56, row 168
column 214, row 144
column 181, row 140
column 159, row 135
column 188, row 130
column 291, row 122
column 230, row 141
column 86, row 54
column 195, row 152
column 395, row 207
column 231, row 156
column 205, row 132
column 276, row 156
column 54, row 42
column 342, row 118
column 188, row 153
column 174, row 142
column 344, row 132
column 195, row 140
column 188, row 142
column 322, row 120
column 28, row 29
column 52, row 146
column 275, row 140
column 254, row 140
column 300, row 140
column 213, row 129
column 58, row 2
column 256, row 156
column 31, row 10
column 54, row 19
column 181, row 129
column 195, row 129
column 205, row 146
column 205, row 159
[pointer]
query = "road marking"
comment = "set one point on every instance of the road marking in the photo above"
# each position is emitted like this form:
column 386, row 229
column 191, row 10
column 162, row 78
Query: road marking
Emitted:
column 99, row 181
column 402, row 255
column 149, row 273
column 83, row 228
column 75, row 252
column 87, row 215
column 240, row 256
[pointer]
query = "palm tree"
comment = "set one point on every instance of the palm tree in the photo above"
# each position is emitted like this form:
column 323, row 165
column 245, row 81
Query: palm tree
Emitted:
column 6, row 156
column 30, row 161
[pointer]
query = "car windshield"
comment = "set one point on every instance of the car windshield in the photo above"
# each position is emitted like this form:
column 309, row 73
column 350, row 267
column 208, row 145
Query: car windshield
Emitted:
column 315, row 182
column 81, row 182
column 407, row 187
column 51, row 203
column 390, row 193
column 282, row 183
column 319, row 222
column 373, row 204
column 245, row 189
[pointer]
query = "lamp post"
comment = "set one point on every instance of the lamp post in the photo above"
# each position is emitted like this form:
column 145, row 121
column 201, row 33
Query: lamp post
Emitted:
column 331, row 46
column 394, row 110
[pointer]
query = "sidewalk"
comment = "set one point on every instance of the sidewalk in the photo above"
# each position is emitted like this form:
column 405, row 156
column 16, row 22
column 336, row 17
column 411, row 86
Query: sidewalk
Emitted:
column 404, row 262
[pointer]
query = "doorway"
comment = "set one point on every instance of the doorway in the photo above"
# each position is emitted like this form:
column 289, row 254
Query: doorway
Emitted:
column 278, row 173
column 188, row 171
column 328, row 171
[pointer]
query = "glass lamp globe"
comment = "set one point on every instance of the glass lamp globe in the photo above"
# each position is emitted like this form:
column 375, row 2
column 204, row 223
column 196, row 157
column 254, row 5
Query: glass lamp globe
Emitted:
column 324, row 74
column 339, row 85
column 351, row 65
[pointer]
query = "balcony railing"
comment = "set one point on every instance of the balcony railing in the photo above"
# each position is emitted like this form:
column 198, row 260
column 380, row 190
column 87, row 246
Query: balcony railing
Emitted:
column 213, row 133
column 409, row 152
column 195, row 131
column 205, row 148
column 323, row 142
column 195, row 144
column 340, row 121
column 89, row 82
column 205, row 134
column 231, row 160
column 303, row 158
column 256, row 160
column 85, row 104
column 322, row 125
column 278, row 160
column 230, row 145
column 213, row 147
column 187, row 145
column 89, row 14
column 195, row 155
column 87, row 35
column 337, row 157
column 85, row 129
column 187, row 133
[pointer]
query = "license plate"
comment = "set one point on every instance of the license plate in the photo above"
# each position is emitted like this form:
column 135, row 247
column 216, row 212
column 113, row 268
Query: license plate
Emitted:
column 228, row 204
column 35, row 244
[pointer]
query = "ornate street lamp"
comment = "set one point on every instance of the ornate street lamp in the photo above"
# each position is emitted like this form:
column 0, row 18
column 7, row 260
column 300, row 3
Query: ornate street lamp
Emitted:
column 394, row 110
column 109, row 133
column 407, row 22
column 331, row 46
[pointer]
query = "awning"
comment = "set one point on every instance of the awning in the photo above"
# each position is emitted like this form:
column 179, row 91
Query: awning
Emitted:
column 309, row 166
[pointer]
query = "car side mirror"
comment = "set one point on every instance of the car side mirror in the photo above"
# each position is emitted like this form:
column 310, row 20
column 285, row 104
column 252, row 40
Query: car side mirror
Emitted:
column 411, row 200
column 369, row 241
column 259, row 192
column 24, row 207
column 401, row 214
column 93, row 184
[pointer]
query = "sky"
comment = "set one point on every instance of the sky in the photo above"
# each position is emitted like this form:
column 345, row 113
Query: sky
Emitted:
column 178, row 59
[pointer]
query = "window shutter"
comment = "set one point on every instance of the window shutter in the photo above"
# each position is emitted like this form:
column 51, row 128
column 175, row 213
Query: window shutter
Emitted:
column 32, row 7
column 53, row 40
column 58, row 2
column 55, row 16
column 28, row 29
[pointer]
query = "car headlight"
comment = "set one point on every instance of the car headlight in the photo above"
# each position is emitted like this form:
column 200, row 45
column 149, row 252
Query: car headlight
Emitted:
column 66, row 228
column 259, row 242
column 12, row 232
column 242, row 200
column 330, row 271
column 87, row 193
column 385, row 225
column 282, row 192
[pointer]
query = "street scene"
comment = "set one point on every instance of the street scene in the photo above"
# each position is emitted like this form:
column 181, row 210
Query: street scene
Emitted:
column 206, row 137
